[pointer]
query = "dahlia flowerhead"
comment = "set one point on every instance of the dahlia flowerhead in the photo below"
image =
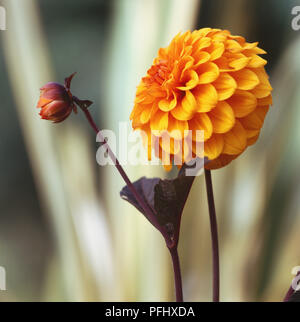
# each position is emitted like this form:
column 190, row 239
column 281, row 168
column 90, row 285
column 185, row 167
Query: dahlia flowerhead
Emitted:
column 56, row 101
column 204, row 80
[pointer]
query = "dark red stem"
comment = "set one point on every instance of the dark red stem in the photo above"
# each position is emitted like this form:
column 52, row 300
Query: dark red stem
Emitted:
column 172, row 248
column 123, row 174
column 148, row 211
column 177, row 274
column 214, row 236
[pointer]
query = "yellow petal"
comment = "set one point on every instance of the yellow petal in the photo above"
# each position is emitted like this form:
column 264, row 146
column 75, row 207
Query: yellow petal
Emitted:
column 159, row 121
column 185, row 110
column 220, row 36
column 168, row 104
column 206, row 97
column 217, row 51
column 241, row 40
column 176, row 128
column 185, row 64
column 213, row 147
column 253, row 51
column 222, row 117
column 201, row 121
column 245, row 79
column 203, row 43
column 235, row 141
column 166, row 161
column 208, row 73
column 242, row 103
column 233, row 46
column 263, row 89
column 145, row 115
column 256, row 62
column 191, row 80
column 225, row 86
column 249, row 45
column 239, row 63
column 201, row 57
column 169, row 145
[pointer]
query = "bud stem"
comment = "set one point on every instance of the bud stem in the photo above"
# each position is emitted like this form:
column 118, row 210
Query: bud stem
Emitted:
column 123, row 174
column 170, row 244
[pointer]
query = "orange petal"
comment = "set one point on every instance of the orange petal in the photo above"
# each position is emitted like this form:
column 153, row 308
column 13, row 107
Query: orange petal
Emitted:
column 208, row 73
column 185, row 110
column 253, row 139
column 225, row 86
column 213, row 147
column 217, row 51
column 242, row 103
column 176, row 127
column 159, row 121
column 233, row 46
column 256, row 62
column 263, row 89
column 169, row 145
column 265, row 101
column 168, row 104
column 220, row 162
column 185, row 64
column 191, row 80
column 249, row 45
column 201, row 121
column 146, row 113
column 245, row 79
column 251, row 134
column 239, row 63
column 222, row 117
column 235, row 141
column 255, row 120
column 201, row 57
column 166, row 160
column 203, row 43
column 206, row 97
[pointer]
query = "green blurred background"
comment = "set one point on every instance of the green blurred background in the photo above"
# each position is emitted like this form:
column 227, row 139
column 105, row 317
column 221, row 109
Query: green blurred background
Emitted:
column 65, row 234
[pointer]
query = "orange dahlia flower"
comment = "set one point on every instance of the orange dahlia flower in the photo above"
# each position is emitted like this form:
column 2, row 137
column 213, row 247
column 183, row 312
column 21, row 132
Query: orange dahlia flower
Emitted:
column 204, row 80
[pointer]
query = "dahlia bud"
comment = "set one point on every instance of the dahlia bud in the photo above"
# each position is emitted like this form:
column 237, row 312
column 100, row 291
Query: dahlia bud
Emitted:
column 56, row 101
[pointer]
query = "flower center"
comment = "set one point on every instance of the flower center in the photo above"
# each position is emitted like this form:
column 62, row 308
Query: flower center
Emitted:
column 159, row 72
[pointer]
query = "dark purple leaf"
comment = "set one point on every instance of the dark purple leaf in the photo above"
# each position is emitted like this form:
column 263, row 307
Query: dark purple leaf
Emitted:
column 165, row 197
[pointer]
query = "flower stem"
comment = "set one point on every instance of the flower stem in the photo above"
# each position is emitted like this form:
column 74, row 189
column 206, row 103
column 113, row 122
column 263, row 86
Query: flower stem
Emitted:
column 214, row 236
column 123, row 174
column 177, row 274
